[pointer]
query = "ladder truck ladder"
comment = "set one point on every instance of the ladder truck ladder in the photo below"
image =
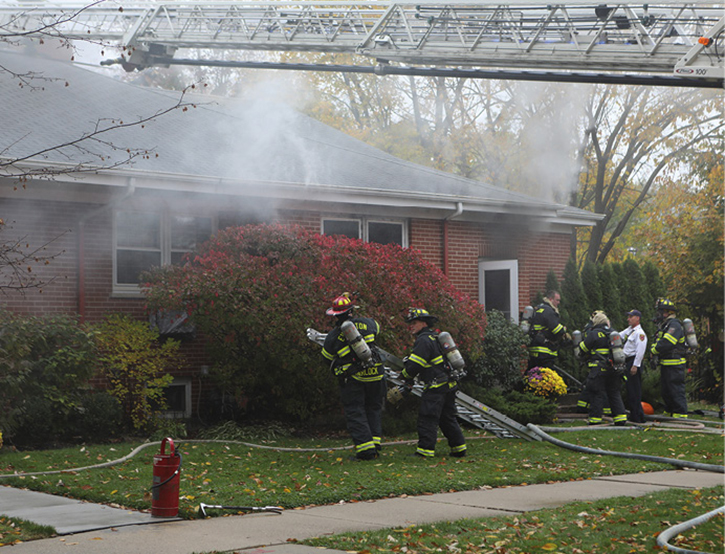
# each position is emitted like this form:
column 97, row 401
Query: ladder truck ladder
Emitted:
column 469, row 409
column 670, row 37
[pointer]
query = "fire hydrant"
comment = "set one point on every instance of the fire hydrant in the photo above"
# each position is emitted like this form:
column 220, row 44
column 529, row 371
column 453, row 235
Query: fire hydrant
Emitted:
column 165, row 487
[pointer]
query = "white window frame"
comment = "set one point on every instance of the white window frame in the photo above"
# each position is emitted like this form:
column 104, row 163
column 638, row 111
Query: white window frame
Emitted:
column 363, row 226
column 128, row 289
column 494, row 265
column 186, row 414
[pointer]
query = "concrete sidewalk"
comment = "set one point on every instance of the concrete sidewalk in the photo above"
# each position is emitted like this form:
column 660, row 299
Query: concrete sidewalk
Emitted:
column 261, row 533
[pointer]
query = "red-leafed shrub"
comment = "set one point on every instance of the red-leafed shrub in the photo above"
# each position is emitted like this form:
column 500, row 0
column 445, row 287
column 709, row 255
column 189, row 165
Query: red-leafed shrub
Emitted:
column 254, row 290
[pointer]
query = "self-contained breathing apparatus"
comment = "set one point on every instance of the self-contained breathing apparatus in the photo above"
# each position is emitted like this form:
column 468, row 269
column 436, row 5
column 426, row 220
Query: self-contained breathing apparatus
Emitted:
column 453, row 365
column 365, row 356
column 525, row 324
column 357, row 344
column 453, row 357
column 617, row 349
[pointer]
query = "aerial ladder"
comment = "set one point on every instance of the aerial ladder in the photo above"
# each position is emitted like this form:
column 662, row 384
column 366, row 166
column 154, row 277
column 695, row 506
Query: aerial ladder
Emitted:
column 468, row 408
column 669, row 42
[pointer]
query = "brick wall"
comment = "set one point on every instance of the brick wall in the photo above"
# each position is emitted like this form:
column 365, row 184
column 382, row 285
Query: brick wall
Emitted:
column 467, row 244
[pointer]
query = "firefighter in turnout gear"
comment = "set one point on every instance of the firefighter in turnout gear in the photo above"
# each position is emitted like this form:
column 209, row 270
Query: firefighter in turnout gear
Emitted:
column 603, row 382
column 438, row 402
column 546, row 332
column 669, row 350
column 362, row 388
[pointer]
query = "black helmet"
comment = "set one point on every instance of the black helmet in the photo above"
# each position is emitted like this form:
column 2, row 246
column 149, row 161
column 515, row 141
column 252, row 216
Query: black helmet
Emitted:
column 421, row 314
column 665, row 304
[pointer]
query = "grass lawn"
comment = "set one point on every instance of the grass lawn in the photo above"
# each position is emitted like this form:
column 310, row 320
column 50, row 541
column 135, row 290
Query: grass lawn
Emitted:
column 14, row 531
column 237, row 474
column 616, row 525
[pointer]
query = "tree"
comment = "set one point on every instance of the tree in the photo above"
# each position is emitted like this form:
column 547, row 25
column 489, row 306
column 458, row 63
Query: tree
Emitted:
column 681, row 232
column 592, row 287
column 573, row 297
column 254, row 290
column 633, row 138
column 610, row 287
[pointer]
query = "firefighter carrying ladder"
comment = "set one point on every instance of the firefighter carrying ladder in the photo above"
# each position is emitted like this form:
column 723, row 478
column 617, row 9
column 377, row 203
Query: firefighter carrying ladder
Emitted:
column 469, row 409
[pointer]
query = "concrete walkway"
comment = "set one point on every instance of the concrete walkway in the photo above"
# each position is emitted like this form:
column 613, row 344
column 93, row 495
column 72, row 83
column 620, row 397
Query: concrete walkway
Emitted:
column 101, row 529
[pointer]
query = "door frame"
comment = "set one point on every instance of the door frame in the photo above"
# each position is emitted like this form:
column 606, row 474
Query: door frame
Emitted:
column 493, row 265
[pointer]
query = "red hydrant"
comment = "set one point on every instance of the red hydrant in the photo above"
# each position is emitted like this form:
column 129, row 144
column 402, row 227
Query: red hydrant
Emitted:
column 165, row 487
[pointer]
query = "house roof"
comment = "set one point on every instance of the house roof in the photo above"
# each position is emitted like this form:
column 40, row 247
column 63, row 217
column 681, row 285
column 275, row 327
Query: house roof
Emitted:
column 226, row 146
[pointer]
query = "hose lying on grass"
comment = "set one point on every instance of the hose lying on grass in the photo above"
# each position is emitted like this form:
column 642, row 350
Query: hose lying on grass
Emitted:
column 678, row 463
column 666, row 535
column 138, row 449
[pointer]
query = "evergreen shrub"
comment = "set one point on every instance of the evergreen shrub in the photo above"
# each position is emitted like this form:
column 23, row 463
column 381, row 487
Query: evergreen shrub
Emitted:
column 504, row 354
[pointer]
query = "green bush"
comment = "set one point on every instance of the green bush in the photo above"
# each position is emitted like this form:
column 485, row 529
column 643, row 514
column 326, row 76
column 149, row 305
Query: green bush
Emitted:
column 254, row 290
column 100, row 417
column 135, row 365
column 504, row 354
column 523, row 407
column 45, row 364
column 167, row 427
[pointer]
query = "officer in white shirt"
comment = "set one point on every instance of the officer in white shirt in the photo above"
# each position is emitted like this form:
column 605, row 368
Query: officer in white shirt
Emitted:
column 635, row 345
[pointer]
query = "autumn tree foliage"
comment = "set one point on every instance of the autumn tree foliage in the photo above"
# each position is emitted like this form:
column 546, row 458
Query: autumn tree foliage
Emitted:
column 254, row 290
column 681, row 231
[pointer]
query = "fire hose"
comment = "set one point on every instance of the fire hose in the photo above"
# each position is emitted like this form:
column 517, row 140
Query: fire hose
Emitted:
column 665, row 536
column 658, row 459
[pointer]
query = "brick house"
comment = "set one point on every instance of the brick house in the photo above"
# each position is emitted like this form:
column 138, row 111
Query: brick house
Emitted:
column 227, row 162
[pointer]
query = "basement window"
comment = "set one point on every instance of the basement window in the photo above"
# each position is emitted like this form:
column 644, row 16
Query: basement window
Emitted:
column 178, row 399
column 369, row 230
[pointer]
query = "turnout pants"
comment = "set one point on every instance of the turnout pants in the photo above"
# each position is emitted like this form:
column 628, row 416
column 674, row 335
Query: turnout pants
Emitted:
column 634, row 392
column 438, row 409
column 363, row 405
column 672, row 383
column 604, row 385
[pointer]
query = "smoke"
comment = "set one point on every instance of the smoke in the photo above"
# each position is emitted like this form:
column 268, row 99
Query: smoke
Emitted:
column 267, row 138
column 550, row 138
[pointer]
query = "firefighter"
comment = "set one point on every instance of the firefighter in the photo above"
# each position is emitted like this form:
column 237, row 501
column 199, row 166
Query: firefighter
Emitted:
column 583, row 403
column 635, row 347
column 546, row 332
column 438, row 402
column 603, row 383
column 669, row 354
column 362, row 388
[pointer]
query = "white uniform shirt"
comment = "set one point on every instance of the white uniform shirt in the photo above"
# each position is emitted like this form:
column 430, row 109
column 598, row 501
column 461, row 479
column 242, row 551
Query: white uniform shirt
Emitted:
column 635, row 343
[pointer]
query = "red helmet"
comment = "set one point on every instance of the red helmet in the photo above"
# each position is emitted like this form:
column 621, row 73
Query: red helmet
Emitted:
column 341, row 305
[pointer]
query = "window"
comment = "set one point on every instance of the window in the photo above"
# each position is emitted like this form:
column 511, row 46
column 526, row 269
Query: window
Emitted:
column 178, row 399
column 145, row 240
column 499, row 287
column 383, row 232
column 186, row 234
column 346, row 227
column 138, row 245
